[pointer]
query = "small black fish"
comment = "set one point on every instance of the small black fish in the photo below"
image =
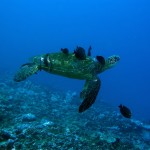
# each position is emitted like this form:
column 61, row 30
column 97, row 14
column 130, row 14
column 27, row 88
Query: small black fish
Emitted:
column 125, row 111
column 80, row 53
column 46, row 60
column 65, row 50
column 101, row 59
column 89, row 51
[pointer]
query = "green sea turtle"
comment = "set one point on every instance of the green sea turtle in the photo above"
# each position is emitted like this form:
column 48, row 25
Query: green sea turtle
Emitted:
column 72, row 65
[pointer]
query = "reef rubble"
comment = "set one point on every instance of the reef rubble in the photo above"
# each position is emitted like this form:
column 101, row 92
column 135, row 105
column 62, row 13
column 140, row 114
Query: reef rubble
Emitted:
column 33, row 117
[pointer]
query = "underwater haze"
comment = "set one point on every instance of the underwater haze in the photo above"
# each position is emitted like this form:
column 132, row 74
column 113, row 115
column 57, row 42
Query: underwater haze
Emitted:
column 32, row 27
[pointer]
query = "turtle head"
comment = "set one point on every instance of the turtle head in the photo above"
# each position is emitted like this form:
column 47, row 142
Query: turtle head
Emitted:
column 110, row 62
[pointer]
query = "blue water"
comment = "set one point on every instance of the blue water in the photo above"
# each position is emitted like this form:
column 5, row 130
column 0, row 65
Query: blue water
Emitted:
column 28, row 28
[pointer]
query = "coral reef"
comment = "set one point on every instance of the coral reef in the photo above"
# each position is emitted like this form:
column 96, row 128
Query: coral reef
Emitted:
column 33, row 117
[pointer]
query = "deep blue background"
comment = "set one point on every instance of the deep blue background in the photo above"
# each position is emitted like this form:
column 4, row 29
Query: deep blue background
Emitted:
column 32, row 27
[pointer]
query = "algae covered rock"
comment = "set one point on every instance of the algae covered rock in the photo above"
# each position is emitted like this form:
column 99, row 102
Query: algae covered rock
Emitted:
column 28, row 117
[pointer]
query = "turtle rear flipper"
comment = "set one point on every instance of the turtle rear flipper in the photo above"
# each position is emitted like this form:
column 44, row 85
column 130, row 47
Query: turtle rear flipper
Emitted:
column 89, row 93
column 25, row 71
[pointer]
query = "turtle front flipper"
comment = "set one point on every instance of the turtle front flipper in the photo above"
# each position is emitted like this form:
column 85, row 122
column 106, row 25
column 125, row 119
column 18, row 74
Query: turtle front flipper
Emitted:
column 89, row 93
column 25, row 71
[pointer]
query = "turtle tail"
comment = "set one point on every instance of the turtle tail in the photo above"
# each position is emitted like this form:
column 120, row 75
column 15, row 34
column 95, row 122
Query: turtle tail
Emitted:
column 25, row 71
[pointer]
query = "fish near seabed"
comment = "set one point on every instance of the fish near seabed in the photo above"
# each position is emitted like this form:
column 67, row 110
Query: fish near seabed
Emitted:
column 125, row 111
column 72, row 65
